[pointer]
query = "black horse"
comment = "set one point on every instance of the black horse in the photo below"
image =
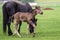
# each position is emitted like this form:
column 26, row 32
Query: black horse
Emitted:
column 11, row 7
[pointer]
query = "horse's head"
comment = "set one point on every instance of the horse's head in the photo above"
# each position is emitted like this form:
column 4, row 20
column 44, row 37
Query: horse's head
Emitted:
column 38, row 10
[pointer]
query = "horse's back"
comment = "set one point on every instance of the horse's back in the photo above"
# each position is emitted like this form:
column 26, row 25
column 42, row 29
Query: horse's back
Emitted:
column 24, row 15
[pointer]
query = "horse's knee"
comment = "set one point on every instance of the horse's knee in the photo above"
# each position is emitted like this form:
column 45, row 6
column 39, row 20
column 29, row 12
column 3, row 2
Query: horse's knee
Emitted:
column 34, row 21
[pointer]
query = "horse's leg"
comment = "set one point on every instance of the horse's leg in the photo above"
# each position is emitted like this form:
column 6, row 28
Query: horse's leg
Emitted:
column 9, row 29
column 5, row 24
column 16, row 28
column 20, row 23
column 34, row 29
column 30, row 22
column 31, row 29
column 27, row 31
column 10, row 13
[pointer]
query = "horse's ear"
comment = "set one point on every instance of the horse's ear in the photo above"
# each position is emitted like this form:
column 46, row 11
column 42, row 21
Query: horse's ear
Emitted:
column 37, row 7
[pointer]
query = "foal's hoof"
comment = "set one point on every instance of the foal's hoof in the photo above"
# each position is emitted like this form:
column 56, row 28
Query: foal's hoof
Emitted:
column 13, row 34
column 34, row 35
column 10, row 34
column 19, row 36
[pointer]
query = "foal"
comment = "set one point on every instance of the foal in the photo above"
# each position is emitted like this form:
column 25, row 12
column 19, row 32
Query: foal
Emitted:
column 25, row 17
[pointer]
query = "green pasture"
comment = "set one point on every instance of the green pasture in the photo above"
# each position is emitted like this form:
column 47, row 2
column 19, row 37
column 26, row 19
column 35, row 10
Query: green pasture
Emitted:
column 47, row 0
column 48, row 26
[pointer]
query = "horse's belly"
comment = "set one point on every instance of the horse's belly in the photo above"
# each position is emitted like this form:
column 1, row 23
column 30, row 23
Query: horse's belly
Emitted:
column 23, row 19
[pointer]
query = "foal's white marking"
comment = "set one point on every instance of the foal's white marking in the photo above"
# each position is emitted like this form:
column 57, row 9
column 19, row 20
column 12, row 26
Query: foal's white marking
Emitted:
column 27, row 31
column 16, row 29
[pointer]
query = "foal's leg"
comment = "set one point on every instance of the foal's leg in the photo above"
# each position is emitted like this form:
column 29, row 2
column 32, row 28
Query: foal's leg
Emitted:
column 16, row 28
column 34, row 29
column 27, row 31
column 31, row 29
column 30, row 22
column 20, row 23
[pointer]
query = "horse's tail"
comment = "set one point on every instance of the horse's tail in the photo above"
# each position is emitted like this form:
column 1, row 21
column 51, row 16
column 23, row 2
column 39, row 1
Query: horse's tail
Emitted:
column 4, row 17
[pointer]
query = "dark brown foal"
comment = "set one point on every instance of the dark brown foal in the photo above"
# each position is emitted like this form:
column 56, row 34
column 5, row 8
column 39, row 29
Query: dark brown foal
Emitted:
column 25, row 17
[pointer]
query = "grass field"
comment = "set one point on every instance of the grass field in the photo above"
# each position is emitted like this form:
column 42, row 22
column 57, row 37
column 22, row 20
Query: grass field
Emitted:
column 48, row 27
column 47, row 0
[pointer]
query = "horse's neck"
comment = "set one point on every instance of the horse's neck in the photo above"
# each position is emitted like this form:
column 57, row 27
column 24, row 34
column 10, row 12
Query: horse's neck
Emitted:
column 34, row 13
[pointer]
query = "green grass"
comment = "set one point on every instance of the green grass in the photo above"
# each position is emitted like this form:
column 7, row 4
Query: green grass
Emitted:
column 48, row 27
column 47, row 0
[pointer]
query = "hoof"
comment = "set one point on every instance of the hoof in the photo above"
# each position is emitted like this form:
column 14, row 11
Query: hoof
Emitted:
column 34, row 35
column 19, row 36
column 10, row 34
